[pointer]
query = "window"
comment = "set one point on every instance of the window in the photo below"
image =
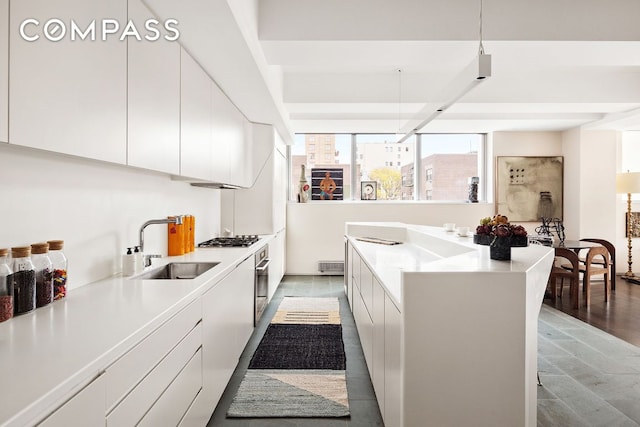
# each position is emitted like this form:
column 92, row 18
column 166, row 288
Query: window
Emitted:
column 449, row 160
column 378, row 161
column 444, row 163
column 334, row 151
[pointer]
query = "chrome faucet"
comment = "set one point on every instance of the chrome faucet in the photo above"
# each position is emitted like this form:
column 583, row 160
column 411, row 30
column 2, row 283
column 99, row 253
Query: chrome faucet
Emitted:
column 173, row 220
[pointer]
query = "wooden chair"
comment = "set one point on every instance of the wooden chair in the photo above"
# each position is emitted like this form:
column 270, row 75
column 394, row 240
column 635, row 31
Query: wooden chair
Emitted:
column 566, row 266
column 596, row 263
column 612, row 258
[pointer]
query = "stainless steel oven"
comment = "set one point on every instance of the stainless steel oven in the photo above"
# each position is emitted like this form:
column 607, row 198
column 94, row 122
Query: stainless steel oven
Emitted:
column 261, row 282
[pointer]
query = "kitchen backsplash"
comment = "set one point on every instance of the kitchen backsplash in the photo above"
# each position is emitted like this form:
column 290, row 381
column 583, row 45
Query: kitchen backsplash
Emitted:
column 97, row 208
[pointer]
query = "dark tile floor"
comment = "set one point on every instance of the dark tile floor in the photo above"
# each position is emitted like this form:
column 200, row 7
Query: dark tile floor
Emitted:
column 362, row 403
column 589, row 377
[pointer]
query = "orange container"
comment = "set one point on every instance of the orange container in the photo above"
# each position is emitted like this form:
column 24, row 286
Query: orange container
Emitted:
column 185, row 226
column 175, row 239
column 192, row 233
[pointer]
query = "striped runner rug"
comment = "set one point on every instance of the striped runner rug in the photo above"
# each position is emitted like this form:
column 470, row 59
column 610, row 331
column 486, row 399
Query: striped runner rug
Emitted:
column 298, row 369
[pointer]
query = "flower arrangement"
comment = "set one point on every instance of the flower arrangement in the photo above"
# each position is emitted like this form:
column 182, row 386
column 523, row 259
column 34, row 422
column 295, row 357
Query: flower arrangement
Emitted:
column 498, row 226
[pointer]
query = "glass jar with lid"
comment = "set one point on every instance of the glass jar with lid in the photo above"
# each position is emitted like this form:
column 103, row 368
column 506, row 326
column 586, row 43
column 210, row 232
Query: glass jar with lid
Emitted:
column 59, row 265
column 24, row 280
column 6, row 287
column 44, row 275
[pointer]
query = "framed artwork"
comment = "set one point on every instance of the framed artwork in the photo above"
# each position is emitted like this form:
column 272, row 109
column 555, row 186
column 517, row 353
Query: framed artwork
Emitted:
column 635, row 224
column 326, row 184
column 368, row 190
column 529, row 188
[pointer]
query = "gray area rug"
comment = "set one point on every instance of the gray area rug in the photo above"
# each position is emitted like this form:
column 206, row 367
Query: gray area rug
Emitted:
column 291, row 393
column 298, row 370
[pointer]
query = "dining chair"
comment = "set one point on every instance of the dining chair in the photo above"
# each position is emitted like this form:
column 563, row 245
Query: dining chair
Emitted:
column 566, row 266
column 612, row 258
column 597, row 263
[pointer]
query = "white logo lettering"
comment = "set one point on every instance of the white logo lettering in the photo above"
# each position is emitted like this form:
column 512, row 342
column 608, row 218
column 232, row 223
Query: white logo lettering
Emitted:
column 109, row 26
column 130, row 30
column 54, row 30
column 22, row 27
column 77, row 32
column 150, row 26
column 169, row 28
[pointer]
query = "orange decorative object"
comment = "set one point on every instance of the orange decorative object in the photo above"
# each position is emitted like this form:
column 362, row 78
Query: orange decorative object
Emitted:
column 175, row 239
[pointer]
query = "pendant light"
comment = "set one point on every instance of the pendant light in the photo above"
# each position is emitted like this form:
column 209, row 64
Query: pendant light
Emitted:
column 471, row 76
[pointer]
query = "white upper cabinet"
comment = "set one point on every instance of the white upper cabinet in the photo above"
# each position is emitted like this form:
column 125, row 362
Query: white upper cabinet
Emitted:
column 220, row 132
column 68, row 96
column 231, row 138
column 196, row 153
column 4, row 70
column 153, row 98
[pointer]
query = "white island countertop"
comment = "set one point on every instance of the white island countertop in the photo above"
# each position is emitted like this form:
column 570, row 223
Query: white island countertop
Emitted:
column 54, row 351
column 430, row 249
column 468, row 324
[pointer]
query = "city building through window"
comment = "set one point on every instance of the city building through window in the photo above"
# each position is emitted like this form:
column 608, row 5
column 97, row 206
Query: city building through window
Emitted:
column 448, row 162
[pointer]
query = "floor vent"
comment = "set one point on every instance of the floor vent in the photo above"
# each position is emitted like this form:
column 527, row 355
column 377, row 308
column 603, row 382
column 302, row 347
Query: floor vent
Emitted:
column 335, row 268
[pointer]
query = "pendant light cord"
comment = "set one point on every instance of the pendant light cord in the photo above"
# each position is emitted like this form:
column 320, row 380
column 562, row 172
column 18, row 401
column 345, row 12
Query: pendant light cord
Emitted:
column 399, row 97
column 481, row 47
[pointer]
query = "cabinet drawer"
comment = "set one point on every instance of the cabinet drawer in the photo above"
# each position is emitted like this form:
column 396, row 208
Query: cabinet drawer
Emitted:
column 85, row 408
column 127, row 371
column 177, row 399
column 366, row 288
column 136, row 404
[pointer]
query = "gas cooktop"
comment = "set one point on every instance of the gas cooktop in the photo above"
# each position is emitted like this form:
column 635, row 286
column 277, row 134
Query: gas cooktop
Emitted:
column 230, row 242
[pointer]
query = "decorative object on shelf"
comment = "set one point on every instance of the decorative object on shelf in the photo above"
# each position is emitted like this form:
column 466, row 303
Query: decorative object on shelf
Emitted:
column 528, row 188
column 629, row 183
column 368, row 190
column 474, row 181
column 303, row 186
column 326, row 183
column 500, row 236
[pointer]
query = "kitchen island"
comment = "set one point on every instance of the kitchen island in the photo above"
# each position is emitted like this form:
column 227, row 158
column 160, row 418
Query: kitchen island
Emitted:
column 126, row 351
column 449, row 335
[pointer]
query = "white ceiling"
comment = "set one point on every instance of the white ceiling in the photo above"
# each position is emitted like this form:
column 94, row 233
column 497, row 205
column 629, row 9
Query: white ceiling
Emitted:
column 332, row 65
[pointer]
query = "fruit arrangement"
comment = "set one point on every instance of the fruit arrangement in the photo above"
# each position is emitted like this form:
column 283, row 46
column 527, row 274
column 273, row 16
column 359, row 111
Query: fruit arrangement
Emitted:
column 499, row 226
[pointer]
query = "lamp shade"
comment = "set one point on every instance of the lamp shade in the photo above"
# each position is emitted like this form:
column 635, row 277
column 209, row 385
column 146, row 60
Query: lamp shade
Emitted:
column 628, row 182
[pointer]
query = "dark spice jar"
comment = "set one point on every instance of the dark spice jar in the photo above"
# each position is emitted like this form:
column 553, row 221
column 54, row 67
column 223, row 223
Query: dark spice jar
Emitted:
column 24, row 280
column 44, row 273
column 59, row 264
column 6, row 287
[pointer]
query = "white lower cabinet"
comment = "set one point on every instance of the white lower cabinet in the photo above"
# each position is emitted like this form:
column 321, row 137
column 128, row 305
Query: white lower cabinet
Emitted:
column 84, row 409
column 176, row 400
column 277, row 256
column 136, row 381
column 392, row 364
column 227, row 324
column 379, row 325
column 378, row 358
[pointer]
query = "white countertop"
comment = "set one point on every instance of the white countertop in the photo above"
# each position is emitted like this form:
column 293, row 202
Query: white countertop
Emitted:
column 427, row 249
column 53, row 351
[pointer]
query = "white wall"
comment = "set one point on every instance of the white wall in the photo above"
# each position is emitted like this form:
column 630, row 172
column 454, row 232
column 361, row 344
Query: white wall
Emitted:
column 96, row 208
column 315, row 230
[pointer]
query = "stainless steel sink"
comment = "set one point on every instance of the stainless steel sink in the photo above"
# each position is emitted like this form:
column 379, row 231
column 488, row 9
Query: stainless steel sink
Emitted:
column 177, row 271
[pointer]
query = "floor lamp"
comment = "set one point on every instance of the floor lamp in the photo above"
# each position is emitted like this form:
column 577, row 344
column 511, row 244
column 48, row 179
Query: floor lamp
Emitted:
column 629, row 183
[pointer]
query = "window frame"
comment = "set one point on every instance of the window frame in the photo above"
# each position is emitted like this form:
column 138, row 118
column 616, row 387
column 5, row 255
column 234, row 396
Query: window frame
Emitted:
column 418, row 170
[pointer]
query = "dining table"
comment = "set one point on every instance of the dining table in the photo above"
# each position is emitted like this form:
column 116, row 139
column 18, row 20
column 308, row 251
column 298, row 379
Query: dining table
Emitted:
column 575, row 245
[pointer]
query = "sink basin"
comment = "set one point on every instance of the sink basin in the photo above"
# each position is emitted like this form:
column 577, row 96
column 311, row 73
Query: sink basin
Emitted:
column 177, row 271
